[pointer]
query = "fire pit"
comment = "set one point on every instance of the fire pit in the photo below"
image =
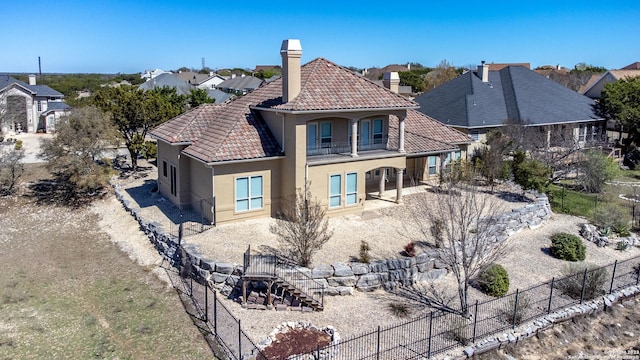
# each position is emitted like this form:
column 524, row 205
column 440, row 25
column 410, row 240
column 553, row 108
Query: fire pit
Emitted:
column 293, row 338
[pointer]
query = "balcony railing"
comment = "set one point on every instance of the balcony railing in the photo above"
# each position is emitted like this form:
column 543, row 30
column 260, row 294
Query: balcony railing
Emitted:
column 344, row 147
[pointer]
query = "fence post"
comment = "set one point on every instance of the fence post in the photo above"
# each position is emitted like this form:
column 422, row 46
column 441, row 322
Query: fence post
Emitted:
column 475, row 322
column 515, row 308
column 190, row 285
column 553, row 280
column 613, row 276
column 377, row 347
column 430, row 329
column 584, row 281
column 206, row 301
column 215, row 311
column 318, row 352
column 239, row 340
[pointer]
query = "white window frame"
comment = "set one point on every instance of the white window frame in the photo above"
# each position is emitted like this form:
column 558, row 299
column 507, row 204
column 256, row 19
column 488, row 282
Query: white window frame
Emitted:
column 333, row 195
column 351, row 194
column 250, row 196
column 475, row 135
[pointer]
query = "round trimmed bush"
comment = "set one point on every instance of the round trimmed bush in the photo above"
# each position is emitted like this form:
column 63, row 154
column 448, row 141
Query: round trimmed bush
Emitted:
column 494, row 280
column 567, row 247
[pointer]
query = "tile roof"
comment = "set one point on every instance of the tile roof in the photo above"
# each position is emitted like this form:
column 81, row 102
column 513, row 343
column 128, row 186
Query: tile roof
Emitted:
column 187, row 127
column 513, row 93
column 624, row 74
column 234, row 131
column 423, row 134
column 327, row 86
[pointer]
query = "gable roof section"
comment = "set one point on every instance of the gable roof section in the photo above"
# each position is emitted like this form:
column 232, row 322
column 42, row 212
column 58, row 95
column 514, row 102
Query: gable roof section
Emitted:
column 326, row 86
column 35, row 90
column 187, row 127
column 634, row 66
column 241, row 83
column 513, row 93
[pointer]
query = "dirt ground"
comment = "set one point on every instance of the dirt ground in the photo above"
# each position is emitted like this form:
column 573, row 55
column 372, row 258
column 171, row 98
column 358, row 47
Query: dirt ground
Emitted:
column 68, row 292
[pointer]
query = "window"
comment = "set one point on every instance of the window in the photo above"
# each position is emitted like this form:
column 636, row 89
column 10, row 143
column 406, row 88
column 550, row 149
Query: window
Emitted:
column 249, row 193
column 335, row 190
column 312, row 136
column 325, row 134
column 457, row 155
column 174, row 181
column 582, row 132
column 433, row 168
column 377, row 131
column 365, row 133
column 164, row 168
column 352, row 189
column 447, row 159
column 39, row 105
column 475, row 135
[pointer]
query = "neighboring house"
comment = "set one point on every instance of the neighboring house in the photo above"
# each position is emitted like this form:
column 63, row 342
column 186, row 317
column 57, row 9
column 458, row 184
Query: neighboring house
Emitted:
column 240, row 85
column 151, row 74
column 377, row 73
column 202, row 81
column 477, row 102
column 595, row 90
column 220, row 96
column 30, row 107
column 320, row 124
column 169, row 80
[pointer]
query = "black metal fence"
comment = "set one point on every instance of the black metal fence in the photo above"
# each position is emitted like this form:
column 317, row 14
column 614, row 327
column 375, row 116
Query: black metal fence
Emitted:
column 191, row 218
column 438, row 332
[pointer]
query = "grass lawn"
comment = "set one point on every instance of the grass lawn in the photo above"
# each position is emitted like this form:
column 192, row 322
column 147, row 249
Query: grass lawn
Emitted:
column 571, row 202
column 67, row 292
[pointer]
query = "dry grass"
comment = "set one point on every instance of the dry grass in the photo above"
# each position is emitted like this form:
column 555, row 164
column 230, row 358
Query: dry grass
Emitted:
column 66, row 291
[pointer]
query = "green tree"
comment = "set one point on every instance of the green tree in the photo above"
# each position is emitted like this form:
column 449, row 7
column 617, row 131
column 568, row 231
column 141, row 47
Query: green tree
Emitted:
column 588, row 68
column 620, row 101
column 198, row 97
column 443, row 73
column 82, row 138
column 134, row 112
column 595, row 170
column 411, row 78
column 530, row 174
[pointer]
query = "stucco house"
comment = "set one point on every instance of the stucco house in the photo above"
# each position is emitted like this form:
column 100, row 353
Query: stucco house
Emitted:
column 240, row 85
column 245, row 156
column 29, row 107
column 595, row 90
column 479, row 101
column 170, row 80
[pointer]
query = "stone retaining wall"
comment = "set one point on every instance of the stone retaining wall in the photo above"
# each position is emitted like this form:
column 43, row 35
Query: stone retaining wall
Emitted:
column 338, row 278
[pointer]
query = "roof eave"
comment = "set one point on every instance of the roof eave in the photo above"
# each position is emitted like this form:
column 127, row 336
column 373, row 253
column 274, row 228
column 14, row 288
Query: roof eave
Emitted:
column 328, row 111
column 225, row 162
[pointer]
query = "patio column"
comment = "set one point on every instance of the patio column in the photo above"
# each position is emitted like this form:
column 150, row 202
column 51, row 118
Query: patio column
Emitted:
column 401, row 133
column 354, row 137
column 399, row 186
column 383, row 179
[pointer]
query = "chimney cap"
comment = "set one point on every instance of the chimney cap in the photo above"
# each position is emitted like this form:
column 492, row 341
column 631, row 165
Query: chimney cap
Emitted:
column 291, row 45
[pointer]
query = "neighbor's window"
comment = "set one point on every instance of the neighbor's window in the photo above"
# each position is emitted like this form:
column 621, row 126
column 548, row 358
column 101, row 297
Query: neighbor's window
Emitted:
column 457, row 155
column 335, row 190
column 352, row 189
column 582, row 132
column 433, row 167
column 475, row 134
column 249, row 193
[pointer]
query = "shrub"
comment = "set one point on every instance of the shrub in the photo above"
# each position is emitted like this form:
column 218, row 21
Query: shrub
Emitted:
column 399, row 309
column 567, row 247
column 364, row 252
column 18, row 145
column 611, row 215
column 459, row 331
column 574, row 277
column 410, row 249
column 494, row 280
column 149, row 150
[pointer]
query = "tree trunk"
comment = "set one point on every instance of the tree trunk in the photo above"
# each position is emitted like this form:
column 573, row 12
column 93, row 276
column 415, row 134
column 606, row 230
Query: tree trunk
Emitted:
column 134, row 159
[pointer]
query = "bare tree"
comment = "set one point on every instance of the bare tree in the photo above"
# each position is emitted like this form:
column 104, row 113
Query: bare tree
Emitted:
column 465, row 238
column 554, row 146
column 302, row 227
column 443, row 73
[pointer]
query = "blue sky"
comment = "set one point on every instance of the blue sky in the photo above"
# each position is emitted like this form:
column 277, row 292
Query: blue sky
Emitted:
column 134, row 35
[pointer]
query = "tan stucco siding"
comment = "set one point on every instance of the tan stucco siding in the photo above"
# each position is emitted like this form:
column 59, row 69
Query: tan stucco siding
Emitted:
column 202, row 181
column 224, row 185
column 319, row 181
column 168, row 154
column 275, row 123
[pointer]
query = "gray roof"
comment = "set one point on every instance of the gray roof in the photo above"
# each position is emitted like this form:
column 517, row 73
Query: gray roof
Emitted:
column 170, row 80
column 37, row 90
column 512, row 93
column 241, row 83
column 219, row 95
column 57, row 105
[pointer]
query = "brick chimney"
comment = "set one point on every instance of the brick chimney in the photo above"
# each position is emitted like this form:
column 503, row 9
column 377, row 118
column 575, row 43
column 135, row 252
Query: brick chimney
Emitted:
column 32, row 79
column 291, row 52
column 483, row 72
column 391, row 80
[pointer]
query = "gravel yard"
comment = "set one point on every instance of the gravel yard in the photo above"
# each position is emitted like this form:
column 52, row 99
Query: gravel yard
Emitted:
column 385, row 227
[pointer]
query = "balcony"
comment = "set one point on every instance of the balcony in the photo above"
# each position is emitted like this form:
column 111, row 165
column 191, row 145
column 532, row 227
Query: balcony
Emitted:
column 338, row 151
